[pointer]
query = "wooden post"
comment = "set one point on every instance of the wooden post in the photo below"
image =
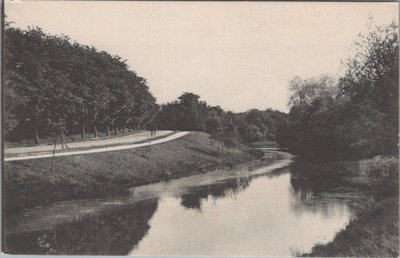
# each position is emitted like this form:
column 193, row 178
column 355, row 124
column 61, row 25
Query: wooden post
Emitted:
column 54, row 234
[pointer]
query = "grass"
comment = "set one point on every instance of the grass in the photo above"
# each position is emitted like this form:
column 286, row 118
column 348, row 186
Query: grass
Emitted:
column 264, row 144
column 380, row 166
column 28, row 183
column 374, row 231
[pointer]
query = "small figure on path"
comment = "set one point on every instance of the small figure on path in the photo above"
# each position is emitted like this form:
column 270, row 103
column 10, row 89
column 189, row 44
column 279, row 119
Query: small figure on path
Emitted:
column 153, row 129
column 64, row 146
column 167, row 175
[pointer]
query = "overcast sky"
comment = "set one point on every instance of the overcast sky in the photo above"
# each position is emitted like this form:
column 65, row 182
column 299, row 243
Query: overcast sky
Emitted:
column 234, row 54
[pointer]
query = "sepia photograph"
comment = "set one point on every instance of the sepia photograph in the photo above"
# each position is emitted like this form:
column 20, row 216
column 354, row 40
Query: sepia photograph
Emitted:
column 200, row 128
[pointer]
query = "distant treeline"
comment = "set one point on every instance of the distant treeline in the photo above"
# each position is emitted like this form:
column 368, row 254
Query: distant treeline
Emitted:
column 356, row 115
column 190, row 114
column 54, row 85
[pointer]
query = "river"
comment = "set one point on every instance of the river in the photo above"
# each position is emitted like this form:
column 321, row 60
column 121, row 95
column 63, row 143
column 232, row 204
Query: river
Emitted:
column 245, row 211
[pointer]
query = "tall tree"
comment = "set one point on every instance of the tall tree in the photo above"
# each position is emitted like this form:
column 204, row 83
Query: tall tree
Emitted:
column 355, row 117
column 53, row 85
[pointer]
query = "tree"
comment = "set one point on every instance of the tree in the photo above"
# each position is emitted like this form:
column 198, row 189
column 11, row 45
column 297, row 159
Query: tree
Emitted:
column 355, row 117
column 187, row 113
column 372, row 83
column 53, row 85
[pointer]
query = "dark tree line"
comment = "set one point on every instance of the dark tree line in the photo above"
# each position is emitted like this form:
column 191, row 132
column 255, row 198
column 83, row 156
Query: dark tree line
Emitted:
column 188, row 112
column 54, row 85
column 354, row 116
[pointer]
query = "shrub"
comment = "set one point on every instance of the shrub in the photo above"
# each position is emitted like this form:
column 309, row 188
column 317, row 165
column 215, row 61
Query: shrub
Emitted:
column 386, row 166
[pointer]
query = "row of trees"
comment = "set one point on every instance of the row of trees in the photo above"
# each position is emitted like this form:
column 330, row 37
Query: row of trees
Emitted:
column 353, row 116
column 188, row 112
column 54, row 85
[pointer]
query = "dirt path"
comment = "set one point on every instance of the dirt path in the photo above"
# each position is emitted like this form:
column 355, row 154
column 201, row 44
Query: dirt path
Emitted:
column 96, row 146
column 87, row 144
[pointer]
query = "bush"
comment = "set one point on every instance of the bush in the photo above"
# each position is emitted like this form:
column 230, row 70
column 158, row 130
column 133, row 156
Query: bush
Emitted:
column 386, row 166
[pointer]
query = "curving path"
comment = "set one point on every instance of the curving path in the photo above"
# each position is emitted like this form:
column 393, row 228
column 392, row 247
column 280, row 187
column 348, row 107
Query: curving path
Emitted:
column 126, row 142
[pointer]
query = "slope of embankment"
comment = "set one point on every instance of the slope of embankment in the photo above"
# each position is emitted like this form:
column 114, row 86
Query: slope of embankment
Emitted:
column 374, row 230
column 373, row 233
column 28, row 183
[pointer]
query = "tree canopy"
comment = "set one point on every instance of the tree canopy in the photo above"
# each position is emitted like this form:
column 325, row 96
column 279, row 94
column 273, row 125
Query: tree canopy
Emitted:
column 188, row 112
column 53, row 84
column 356, row 115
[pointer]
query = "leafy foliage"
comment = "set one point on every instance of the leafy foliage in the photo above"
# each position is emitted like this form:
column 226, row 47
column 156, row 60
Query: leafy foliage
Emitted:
column 355, row 116
column 190, row 113
column 53, row 84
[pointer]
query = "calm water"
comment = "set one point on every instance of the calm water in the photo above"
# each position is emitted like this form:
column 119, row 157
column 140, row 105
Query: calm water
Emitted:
column 252, row 212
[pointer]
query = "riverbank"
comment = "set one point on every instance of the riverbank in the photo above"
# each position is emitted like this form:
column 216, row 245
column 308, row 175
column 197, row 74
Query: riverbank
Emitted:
column 29, row 183
column 371, row 188
column 374, row 233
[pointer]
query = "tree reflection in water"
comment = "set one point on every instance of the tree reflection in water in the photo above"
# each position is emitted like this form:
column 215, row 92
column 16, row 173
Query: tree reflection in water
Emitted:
column 113, row 233
column 311, row 190
column 226, row 189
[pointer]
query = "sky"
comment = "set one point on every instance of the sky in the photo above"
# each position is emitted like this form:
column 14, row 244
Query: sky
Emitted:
column 238, row 55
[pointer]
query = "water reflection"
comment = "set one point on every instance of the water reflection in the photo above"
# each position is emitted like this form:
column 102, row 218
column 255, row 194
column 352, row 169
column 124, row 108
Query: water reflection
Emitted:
column 308, row 186
column 265, row 211
column 264, row 214
column 112, row 233
column 230, row 188
column 223, row 189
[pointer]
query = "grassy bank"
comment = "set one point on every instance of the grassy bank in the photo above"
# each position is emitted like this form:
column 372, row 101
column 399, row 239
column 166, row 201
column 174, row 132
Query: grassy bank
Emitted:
column 264, row 144
column 374, row 230
column 374, row 233
column 29, row 183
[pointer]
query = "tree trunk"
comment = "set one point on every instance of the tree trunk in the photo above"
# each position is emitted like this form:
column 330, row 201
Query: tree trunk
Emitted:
column 62, row 136
column 123, row 129
column 53, row 159
column 108, row 131
column 95, row 132
column 83, row 134
column 129, row 129
column 115, row 129
column 36, row 135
